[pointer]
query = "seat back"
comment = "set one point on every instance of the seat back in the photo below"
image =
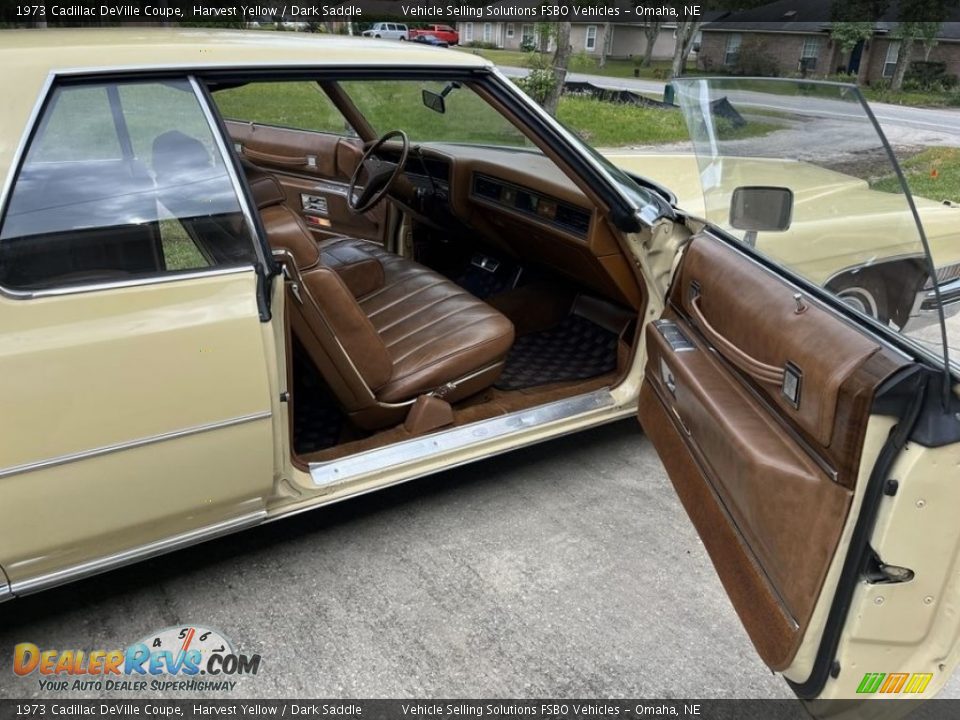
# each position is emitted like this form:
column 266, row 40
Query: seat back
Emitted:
column 324, row 315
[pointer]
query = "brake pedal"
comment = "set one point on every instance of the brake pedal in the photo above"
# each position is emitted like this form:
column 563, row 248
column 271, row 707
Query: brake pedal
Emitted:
column 485, row 262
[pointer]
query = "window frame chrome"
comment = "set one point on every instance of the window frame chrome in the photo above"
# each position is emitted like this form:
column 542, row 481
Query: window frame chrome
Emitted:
column 53, row 80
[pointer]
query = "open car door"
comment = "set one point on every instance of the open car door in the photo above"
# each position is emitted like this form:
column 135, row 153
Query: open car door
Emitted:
column 814, row 442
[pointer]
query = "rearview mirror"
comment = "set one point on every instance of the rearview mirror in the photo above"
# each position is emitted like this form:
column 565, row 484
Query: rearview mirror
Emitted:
column 761, row 209
column 434, row 101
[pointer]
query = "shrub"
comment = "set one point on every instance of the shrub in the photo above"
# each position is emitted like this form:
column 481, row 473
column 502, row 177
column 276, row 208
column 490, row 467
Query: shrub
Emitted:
column 528, row 45
column 540, row 80
column 926, row 75
column 582, row 61
column 755, row 60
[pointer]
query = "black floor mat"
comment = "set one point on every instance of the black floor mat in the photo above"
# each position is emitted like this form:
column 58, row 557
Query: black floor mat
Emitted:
column 317, row 419
column 576, row 349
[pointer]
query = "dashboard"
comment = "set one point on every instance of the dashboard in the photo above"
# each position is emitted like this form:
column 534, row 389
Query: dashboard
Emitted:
column 549, row 210
column 522, row 203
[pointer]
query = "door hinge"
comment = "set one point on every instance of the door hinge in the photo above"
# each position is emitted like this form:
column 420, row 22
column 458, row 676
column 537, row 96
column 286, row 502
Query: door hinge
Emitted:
column 878, row 572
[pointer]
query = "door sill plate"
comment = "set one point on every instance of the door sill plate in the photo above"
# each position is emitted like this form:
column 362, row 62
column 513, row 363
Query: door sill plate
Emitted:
column 429, row 447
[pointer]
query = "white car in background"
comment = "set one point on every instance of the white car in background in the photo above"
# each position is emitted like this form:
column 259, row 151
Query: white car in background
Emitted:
column 389, row 30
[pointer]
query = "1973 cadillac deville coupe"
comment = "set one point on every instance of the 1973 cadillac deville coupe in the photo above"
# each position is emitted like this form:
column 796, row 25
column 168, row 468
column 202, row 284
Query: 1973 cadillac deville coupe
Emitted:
column 245, row 275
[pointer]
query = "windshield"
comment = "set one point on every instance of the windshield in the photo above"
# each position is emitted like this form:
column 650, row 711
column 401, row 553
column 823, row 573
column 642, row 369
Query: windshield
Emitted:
column 467, row 118
column 846, row 222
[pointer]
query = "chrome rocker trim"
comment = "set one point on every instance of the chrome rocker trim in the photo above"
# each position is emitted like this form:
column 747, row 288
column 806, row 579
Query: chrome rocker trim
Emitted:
column 143, row 552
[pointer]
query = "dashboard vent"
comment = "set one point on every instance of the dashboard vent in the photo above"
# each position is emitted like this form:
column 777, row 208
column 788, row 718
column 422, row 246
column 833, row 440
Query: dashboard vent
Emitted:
column 525, row 202
column 573, row 219
column 484, row 187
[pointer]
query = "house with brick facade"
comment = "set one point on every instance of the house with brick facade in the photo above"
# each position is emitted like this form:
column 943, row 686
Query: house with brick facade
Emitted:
column 619, row 40
column 790, row 37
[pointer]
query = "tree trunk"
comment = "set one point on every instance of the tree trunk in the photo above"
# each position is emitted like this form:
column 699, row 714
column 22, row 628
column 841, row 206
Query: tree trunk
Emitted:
column 903, row 63
column 686, row 32
column 561, row 57
column 650, row 32
column 604, row 40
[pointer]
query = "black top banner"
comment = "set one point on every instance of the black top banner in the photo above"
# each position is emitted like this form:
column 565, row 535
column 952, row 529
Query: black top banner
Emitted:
column 802, row 15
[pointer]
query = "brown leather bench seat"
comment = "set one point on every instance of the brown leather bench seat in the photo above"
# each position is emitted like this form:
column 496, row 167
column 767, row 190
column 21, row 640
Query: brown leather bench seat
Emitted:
column 433, row 330
column 381, row 328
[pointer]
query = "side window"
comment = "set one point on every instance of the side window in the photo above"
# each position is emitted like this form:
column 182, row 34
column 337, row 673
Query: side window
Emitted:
column 296, row 105
column 121, row 181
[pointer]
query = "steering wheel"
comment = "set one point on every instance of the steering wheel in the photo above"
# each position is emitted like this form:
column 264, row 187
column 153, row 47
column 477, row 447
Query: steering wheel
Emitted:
column 380, row 174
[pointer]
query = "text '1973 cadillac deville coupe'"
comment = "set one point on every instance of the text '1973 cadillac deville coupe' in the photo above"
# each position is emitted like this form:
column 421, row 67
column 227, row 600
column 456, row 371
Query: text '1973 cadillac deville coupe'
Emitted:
column 245, row 275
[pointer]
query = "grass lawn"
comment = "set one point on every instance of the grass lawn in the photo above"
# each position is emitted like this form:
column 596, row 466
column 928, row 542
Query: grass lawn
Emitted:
column 390, row 105
column 608, row 124
column 914, row 99
column 933, row 174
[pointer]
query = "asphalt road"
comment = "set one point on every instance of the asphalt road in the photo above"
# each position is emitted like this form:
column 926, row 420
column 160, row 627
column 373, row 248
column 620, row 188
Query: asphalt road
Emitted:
column 566, row 569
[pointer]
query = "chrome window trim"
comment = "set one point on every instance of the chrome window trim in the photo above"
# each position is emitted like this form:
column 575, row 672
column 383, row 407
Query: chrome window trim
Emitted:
column 120, row 284
column 17, row 160
column 227, row 159
column 136, row 554
column 130, row 444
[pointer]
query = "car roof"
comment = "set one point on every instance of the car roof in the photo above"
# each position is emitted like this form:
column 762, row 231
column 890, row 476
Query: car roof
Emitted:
column 30, row 56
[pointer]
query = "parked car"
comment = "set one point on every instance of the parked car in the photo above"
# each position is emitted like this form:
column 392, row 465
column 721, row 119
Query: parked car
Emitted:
column 431, row 40
column 247, row 275
column 442, row 32
column 387, row 30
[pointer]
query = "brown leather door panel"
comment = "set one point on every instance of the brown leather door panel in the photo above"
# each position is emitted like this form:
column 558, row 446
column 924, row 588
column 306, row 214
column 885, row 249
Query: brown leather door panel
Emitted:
column 314, row 170
column 767, row 482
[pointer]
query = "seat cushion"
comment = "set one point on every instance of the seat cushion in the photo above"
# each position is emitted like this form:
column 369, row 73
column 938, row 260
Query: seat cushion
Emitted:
column 435, row 332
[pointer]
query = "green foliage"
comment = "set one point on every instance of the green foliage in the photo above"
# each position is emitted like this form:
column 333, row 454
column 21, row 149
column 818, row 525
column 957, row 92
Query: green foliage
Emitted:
column 583, row 62
column 607, row 124
column 755, row 59
column 540, row 81
column 848, row 34
column 929, row 76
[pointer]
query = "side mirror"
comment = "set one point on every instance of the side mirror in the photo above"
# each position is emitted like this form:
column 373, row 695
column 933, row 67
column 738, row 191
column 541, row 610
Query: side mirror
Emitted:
column 434, row 101
column 761, row 209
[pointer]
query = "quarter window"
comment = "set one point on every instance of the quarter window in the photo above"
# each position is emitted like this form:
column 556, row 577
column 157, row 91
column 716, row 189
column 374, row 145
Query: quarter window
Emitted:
column 121, row 181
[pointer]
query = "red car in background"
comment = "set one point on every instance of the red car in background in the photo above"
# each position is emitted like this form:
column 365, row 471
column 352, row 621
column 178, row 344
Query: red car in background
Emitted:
column 441, row 32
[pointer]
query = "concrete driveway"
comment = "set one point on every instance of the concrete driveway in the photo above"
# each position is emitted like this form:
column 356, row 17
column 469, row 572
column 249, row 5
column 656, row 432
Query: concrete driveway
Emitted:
column 566, row 569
